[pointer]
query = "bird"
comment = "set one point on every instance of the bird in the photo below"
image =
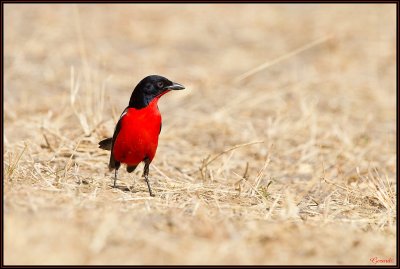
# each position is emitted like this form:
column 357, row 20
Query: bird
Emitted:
column 135, row 137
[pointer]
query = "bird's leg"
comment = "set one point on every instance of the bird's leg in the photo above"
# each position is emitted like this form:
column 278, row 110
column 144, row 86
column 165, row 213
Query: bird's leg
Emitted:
column 146, row 176
column 116, row 166
column 115, row 178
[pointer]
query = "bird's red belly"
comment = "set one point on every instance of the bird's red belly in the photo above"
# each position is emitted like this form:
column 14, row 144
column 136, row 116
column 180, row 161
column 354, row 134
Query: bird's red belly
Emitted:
column 138, row 136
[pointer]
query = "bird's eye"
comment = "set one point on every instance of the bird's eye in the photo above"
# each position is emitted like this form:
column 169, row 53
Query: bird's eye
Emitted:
column 160, row 84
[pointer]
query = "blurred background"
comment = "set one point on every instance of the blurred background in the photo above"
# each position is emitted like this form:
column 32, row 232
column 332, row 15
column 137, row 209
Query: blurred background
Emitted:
column 306, row 91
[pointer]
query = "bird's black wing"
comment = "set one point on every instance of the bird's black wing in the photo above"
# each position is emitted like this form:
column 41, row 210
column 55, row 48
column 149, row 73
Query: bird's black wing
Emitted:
column 108, row 144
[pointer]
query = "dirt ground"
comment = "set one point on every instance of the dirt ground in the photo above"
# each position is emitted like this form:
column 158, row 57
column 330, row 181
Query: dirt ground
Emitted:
column 281, row 150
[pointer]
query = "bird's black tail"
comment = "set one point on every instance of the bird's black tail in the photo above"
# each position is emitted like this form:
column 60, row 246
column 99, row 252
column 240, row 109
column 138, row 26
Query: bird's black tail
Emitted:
column 106, row 144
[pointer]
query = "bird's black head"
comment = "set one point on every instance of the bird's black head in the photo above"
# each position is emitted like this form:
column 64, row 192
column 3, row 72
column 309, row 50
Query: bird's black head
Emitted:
column 149, row 88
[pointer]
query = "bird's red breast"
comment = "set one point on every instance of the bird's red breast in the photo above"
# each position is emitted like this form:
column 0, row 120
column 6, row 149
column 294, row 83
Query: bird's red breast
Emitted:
column 138, row 136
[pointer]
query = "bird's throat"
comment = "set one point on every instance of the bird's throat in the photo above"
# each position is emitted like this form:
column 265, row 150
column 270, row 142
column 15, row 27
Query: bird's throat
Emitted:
column 142, row 101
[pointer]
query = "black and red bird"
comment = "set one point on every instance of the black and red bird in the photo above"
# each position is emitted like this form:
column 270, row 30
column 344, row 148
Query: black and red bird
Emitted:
column 135, row 138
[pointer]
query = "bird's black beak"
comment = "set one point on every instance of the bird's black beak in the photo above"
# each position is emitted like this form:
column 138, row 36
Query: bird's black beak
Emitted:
column 175, row 86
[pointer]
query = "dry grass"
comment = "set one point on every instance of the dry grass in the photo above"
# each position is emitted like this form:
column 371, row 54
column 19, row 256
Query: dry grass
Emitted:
column 280, row 151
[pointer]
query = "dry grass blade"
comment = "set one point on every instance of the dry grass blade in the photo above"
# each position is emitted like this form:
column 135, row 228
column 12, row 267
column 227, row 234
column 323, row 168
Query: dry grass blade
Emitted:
column 10, row 168
column 260, row 176
column 281, row 58
column 207, row 161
